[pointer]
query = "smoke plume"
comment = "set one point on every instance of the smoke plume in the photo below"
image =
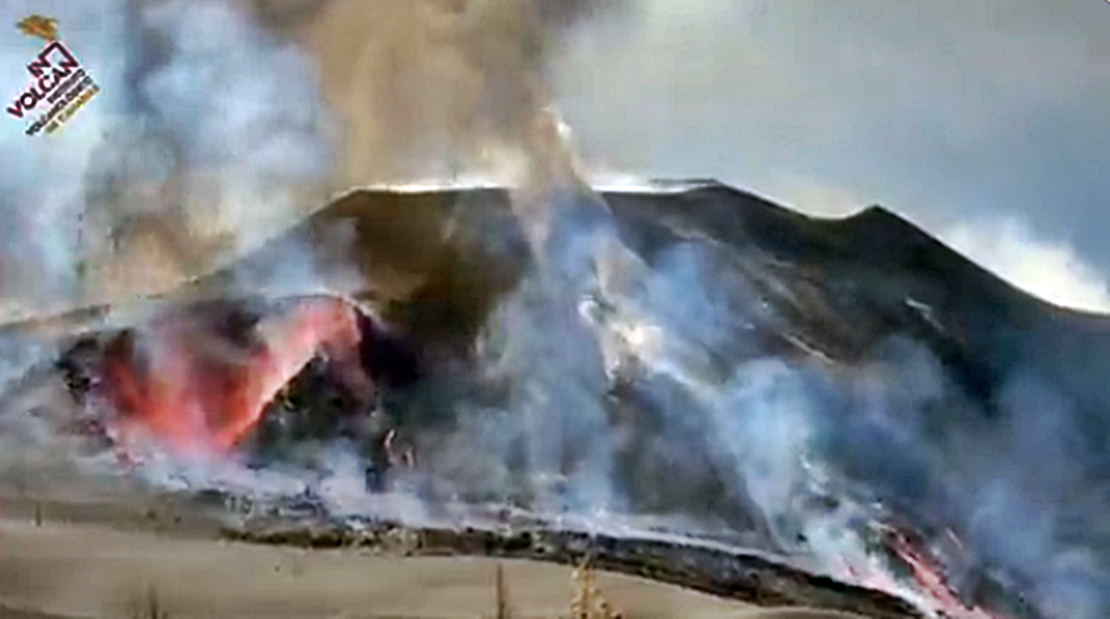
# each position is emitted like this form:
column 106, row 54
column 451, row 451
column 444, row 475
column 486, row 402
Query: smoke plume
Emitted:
column 645, row 388
column 439, row 89
column 207, row 136
column 627, row 385
column 220, row 122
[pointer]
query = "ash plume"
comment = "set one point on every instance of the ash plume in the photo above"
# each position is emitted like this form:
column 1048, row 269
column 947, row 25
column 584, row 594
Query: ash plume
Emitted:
column 221, row 122
column 207, row 135
column 438, row 89
column 629, row 385
column 659, row 383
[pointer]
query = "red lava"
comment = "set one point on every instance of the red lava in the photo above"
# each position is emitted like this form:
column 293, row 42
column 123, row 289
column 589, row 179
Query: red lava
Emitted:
column 200, row 393
column 934, row 583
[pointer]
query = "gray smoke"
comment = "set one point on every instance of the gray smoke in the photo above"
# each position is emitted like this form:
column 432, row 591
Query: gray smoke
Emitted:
column 646, row 387
column 629, row 386
column 553, row 358
column 206, row 137
column 893, row 435
column 436, row 89
column 211, row 131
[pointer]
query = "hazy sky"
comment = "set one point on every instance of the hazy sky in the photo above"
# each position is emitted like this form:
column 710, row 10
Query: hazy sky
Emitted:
column 987, row 122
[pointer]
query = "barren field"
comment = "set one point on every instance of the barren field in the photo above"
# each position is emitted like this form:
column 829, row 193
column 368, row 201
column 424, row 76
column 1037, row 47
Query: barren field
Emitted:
column 88, row 570
column 107, row 561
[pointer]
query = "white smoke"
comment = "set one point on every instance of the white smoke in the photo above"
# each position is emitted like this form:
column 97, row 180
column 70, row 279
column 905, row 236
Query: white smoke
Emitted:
column 41, row 184
column 552, row 357
column 816, row 107
column 1050, row 269
column 207, row 136
column 820, row 452
column 894, row 434
column 206, row 121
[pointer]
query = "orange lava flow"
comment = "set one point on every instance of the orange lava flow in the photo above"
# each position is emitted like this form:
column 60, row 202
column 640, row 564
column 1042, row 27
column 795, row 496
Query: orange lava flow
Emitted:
column 200, row 393
column 934, row 583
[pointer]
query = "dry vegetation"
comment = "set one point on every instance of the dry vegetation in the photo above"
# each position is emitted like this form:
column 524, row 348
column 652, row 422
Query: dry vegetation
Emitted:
column 587, row 602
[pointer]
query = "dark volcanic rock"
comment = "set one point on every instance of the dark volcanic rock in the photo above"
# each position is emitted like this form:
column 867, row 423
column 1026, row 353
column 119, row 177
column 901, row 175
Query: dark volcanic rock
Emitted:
column 320, row 402
column 1021, row 396
column 440, row 260
column 730, row 574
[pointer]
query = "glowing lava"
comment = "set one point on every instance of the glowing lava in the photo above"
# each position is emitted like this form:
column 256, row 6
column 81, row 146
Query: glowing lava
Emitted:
column 930, row 578
column 200, row 390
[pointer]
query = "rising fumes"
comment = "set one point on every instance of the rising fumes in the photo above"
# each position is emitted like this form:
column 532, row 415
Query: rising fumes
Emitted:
column 638, row 366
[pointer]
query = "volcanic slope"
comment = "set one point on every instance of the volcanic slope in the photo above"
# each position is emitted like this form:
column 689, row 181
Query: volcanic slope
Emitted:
column 928, row 384
column 994, row 402
column 439, row 260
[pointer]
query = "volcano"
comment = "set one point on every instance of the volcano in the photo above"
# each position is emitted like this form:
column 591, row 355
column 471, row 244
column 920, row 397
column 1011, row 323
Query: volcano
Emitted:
column 801, row 386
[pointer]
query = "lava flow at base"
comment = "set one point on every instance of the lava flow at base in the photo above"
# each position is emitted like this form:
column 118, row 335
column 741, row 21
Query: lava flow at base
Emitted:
column 199, row 384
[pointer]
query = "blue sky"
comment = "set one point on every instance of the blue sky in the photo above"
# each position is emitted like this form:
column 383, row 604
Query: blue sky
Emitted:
column 986, row 122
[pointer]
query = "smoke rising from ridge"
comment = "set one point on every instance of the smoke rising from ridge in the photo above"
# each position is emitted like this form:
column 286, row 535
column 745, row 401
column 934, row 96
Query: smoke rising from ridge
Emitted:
column 210, row 130
column 440, row 89
column 688, row 416
column 222, row 121
column 867, row 104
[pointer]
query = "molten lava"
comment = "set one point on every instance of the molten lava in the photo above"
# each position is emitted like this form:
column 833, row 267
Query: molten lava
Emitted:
column 200, row 389
column 930, row 578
